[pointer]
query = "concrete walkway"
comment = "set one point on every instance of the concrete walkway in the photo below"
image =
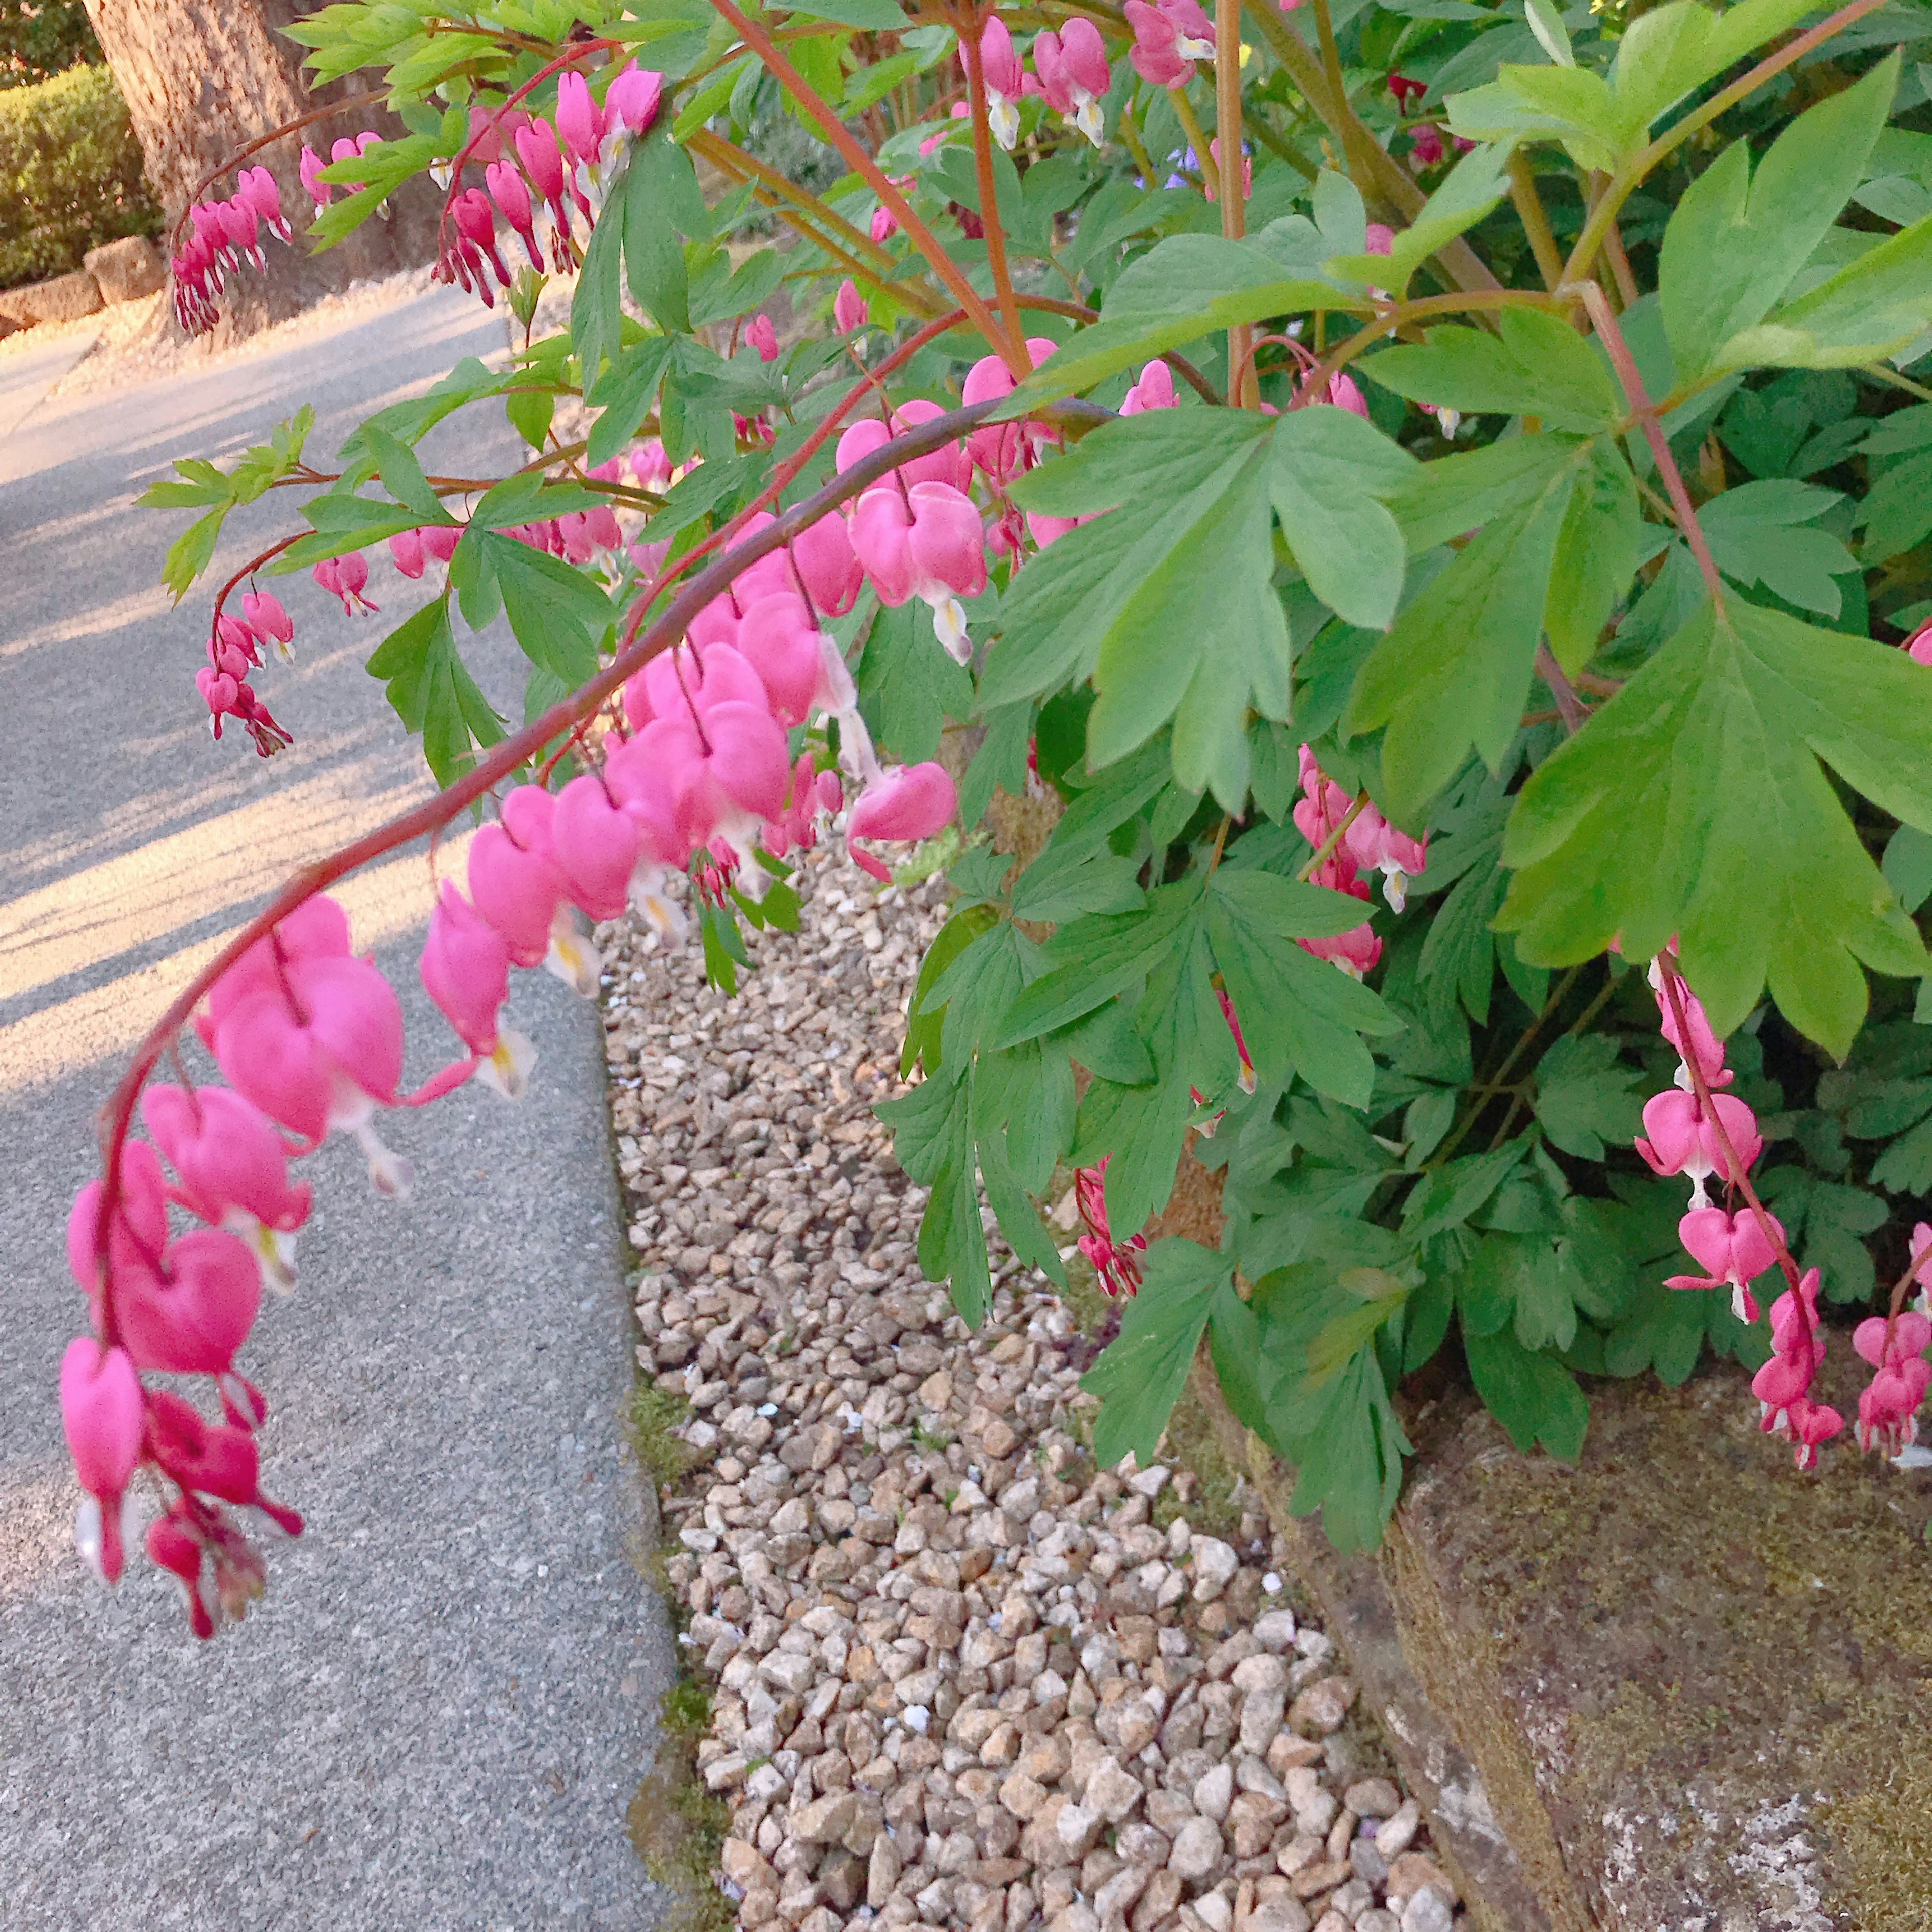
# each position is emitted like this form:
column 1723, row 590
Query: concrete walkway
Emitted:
column 438, row 1714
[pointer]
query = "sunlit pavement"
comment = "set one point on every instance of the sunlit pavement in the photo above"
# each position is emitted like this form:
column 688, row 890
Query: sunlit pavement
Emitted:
column 438, row 1713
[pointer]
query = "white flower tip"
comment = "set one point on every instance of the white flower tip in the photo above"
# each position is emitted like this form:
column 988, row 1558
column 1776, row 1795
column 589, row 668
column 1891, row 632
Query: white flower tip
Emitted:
column 275, row 1256
column 574, row 960
column 506, row 1068
column 390, row 1175
column 87, row 1535
column 948, row 621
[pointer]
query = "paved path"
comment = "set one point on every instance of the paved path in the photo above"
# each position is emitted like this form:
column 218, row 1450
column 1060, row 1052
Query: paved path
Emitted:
column 438, row 1714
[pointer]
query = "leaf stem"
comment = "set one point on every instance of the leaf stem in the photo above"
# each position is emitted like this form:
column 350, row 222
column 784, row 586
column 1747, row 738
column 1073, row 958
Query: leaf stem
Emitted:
column 1334, row 839
column 1681, row 508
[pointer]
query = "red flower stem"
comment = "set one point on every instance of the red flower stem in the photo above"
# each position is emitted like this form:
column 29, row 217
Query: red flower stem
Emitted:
column 966, row 25
column 261, row 141
column 248, row 569
column 915, row 230
column 1605, row 323
column 429, row 818
column 1673, row 988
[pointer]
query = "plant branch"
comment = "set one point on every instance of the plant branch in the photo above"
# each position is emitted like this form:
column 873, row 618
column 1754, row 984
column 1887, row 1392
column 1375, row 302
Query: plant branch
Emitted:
column 966, row 26
column 1571, row 709
column 431, row 817
column 1399, row 315
column 1681, row 508
column 1390, row 182
column 1243, row 387
column 915, row 230
column 1334, row 839
column 1535, row 221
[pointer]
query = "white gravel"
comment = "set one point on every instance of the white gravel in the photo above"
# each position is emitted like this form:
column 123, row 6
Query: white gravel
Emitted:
column 962, row 1679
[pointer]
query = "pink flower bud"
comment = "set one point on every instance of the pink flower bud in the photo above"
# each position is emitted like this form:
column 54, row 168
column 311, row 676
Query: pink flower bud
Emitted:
column 596, row 845
column 513, row 882
column 848, row 308
column 580, row 125
column 465, row 968
column 1153, row 390
column 762, row 338
column 232, row 1165
column 905, row 803
column 102, row 1411
column 345, row 576
column 537, row 149
column 405, row 551
column 780, row 642
column 632, row 99
column 189, row 1316
column 319, row 190
column 262, row 611
column 1732, row 1251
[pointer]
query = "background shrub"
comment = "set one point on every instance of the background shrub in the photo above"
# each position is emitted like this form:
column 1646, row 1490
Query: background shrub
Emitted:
column 69, row 174
column 40, row 38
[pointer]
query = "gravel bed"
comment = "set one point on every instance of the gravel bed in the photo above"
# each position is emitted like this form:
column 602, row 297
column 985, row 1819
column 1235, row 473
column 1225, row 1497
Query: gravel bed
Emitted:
column 961, row 1677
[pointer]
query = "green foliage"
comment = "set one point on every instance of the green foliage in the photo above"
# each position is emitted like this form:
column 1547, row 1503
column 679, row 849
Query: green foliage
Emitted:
column 41, row 38
column 1472, row 602
column 71, row 173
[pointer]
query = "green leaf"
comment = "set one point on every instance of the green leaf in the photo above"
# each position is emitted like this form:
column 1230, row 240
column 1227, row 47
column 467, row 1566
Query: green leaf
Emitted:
column 190, row 552
column 1296, row 1013
column 1455, row 494
column 1692, row 803
column 1183, row 288
column 1537, row 365
column 661, row 201
column 402, row 476
column 925, row 1025
column 1756, row 533
column 1907, row 866
column 557, row 614
column 932, row 1129
column 622, row 397
column 911, row 686
column 1141, row 1373
column 1155, row 474
column 1737, row 240
column 432, row 694
column 1533, row 1395
column 1102, row 955
column 1348, row 1464
column 1597, row 552
column 1471, row 189
column 1584, row 1096
column 1871, row 310
column 877, row 16
column 1330, row 468
column 1177, row 611
column 596, row 307
column 1455, row 669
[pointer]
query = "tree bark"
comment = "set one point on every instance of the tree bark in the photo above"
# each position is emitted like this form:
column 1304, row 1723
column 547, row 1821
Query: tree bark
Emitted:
column 203, row 77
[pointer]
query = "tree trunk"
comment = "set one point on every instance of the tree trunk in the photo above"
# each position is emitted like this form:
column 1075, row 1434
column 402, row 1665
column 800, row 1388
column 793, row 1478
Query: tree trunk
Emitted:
column 203, row 77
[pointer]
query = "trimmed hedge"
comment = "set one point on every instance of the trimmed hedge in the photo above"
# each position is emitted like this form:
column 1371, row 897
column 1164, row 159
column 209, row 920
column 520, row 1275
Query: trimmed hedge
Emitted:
column 70, row 174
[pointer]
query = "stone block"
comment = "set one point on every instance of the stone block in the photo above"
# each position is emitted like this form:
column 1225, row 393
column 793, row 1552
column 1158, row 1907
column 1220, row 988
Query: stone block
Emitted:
column 127, row 270
column 65, row 298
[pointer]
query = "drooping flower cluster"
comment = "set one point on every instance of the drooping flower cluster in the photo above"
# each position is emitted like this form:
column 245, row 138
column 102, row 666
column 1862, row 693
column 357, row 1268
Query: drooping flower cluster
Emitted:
column 1696, row 1134
column 224, row 236
column 537, row 172
column 1070, row 74
column 1114, row 1262
column 235, row 648
column 1358, row 839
